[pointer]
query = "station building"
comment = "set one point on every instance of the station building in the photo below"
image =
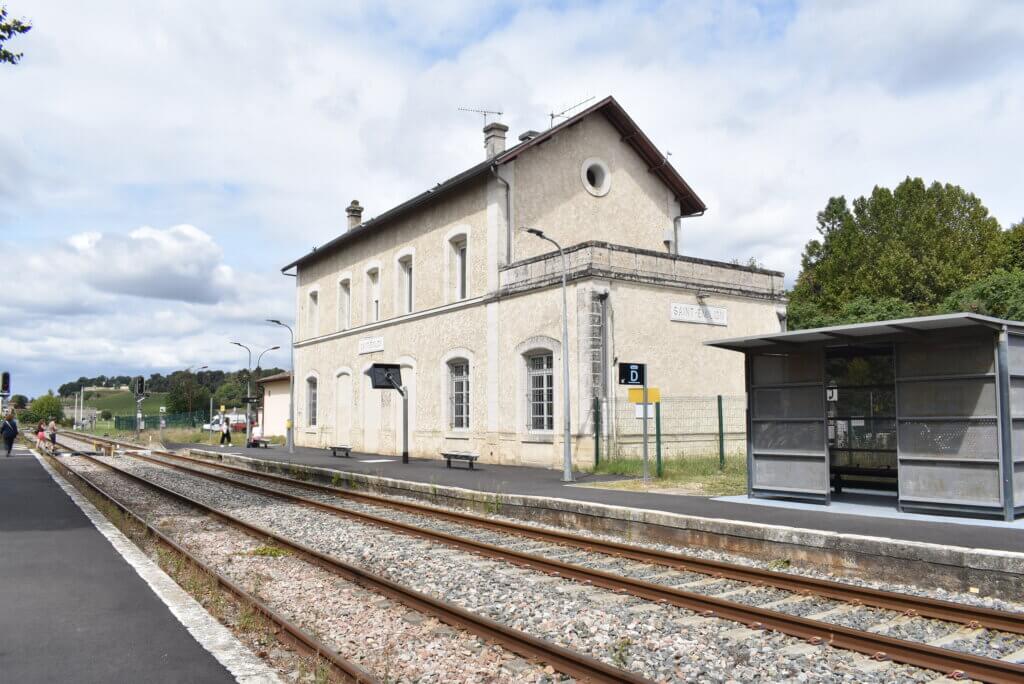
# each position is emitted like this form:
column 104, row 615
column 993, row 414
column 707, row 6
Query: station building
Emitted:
column 450, row 286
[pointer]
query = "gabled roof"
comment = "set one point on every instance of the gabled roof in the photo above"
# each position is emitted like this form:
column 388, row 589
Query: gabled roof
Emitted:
column 274, row 378
column 875, row 331
column 657, row 163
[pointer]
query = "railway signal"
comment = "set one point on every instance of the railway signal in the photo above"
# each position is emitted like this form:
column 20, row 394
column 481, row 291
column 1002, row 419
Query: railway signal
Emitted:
column 389, row 376
column 5, row 384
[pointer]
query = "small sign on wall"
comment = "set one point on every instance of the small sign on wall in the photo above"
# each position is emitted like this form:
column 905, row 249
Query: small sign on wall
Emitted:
column 697, row 313
column 369, row 345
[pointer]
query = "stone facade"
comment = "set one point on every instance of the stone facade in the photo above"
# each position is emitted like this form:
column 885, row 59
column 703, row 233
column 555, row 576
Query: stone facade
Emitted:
column 466, row 349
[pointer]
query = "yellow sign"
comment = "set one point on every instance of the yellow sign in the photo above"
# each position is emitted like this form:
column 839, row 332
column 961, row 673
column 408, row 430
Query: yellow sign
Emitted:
column 222, row 408
column 636, row 395
column 288, row 424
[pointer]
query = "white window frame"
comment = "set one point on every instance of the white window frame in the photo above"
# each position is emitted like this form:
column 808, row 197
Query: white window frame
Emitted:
column 345, row 302
column 313, row 312
column 373, row 303
column 455, row 264
column 547, row 414
column 464, row 378
column 405, row 283
column 312, row 400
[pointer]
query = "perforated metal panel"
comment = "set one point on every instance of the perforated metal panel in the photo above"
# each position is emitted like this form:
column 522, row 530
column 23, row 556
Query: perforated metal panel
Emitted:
column 948, row 445
column 787, row 445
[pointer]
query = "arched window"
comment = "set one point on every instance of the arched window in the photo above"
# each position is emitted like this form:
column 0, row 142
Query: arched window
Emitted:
column 373, row 295
column 311, row 387
column 540, row 391
column 313, row 314
column 345, row 304
column 458, row 394
column 405, row 284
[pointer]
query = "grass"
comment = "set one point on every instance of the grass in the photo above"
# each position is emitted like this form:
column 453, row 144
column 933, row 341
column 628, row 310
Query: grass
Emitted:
column 123, row 403
column 695, row 474
column 269, row 551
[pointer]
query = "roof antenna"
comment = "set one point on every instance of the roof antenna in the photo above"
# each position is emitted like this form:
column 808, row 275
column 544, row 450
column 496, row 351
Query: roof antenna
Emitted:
column 485, row 112
column 562, row 114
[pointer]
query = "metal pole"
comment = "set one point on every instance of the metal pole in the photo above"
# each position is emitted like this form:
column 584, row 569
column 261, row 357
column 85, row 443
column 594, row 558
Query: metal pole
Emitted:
column 647, row 470
column 721, row 435
column 658, row 469
column 405, row 424
column 211, row 419
column 566, row 403
column 597, row 432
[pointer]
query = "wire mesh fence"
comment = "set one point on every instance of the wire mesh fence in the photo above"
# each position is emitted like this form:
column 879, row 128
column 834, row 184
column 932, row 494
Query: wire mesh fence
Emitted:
column 153, row 421
column 689, row 426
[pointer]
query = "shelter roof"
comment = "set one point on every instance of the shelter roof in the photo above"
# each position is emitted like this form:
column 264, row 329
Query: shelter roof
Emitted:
column 865, row 333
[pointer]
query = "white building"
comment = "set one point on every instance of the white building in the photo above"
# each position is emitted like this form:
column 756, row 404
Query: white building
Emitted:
column 273, row 415
column 449, row 286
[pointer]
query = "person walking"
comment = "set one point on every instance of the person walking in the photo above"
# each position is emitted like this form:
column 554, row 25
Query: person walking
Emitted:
column 225, row 431
column 9, row 430
column 40, row 435
column 52, row 429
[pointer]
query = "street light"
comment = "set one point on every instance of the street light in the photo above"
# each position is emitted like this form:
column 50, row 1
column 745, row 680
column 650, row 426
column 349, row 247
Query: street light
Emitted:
column 258, row 359
column 291, row 385
column 566, row 438
column 248, row 394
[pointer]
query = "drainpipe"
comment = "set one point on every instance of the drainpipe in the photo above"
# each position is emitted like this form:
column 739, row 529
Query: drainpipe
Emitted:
column 508, row 213
column 677, row 224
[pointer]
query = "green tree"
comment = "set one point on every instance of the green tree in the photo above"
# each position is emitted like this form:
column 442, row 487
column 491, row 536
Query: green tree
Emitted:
column 1013, row 247
column 8, row 29
column 186, row 394
column 1000, row 294
column 904, row 250
column 19, row 401
column 43, row 408
column 229, row 393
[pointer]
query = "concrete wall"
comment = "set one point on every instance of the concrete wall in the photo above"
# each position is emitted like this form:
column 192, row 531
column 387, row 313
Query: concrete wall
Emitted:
column 549, row 193
column 275, row 408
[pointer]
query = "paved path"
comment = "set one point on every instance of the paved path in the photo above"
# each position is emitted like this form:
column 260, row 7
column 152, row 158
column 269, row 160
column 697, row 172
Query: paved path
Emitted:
column 71, row 608
column 544, row 482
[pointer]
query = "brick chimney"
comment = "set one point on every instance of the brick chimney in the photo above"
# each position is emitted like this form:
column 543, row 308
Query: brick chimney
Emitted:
column 355, row 214
column 494, row 138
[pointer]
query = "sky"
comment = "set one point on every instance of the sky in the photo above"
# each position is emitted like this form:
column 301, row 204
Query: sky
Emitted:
column 161, row 161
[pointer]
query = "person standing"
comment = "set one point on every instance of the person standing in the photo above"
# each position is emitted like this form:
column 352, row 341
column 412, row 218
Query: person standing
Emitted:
column 225, row 431
column 9, row 430
column 52, row 429
column 40, row 435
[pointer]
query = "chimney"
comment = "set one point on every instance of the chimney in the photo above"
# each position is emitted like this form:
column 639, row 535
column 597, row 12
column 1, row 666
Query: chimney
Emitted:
column 494, row 138
column 355, row 214
column 528, row 135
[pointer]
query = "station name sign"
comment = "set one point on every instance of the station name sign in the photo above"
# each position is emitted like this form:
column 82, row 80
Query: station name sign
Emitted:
column 696, row 313
column 369, row 345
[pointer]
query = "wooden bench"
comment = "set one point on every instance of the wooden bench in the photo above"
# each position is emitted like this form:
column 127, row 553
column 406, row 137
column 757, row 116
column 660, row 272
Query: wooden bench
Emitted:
column 343, row 449
column 466, row 456
column 259, row 443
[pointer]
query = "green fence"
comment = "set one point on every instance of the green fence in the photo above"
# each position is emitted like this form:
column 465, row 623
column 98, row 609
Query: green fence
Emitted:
column 690, row 426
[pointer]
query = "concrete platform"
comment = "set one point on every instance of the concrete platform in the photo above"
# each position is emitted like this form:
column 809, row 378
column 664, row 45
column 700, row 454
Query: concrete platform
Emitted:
column 542, row 482
column 72, row 608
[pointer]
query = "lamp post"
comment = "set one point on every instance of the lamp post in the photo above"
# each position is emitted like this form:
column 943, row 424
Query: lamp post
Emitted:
column 291, row 385
column 248, row 393
column 258, row 359
column 567, row 437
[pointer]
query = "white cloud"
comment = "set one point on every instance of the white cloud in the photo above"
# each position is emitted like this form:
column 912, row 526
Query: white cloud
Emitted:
column 259, row 126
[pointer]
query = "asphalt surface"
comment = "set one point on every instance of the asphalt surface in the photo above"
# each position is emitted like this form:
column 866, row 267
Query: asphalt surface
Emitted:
column 545, row 482
column 71, row 608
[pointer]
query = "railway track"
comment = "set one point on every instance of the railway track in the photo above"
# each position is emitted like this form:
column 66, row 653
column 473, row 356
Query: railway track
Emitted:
column 304, row 641
column 956, row 663
column 572, row 663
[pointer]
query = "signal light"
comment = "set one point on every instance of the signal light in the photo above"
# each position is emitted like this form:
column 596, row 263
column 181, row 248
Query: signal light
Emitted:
column 140, row 386
column 5, row 383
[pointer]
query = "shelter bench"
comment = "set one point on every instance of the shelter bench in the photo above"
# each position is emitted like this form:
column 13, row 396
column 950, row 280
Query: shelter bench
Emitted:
column 467, row 456
column 838, row 473
column 343, row 449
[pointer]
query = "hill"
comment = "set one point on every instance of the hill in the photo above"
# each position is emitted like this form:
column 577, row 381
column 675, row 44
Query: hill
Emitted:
column 123, row 403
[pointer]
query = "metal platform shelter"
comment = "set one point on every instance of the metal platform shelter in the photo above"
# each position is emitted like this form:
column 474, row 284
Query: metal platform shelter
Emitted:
column 931, row 406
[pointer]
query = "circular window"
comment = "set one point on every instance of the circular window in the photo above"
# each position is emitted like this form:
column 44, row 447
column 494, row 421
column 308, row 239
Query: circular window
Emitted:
column 596, row 177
